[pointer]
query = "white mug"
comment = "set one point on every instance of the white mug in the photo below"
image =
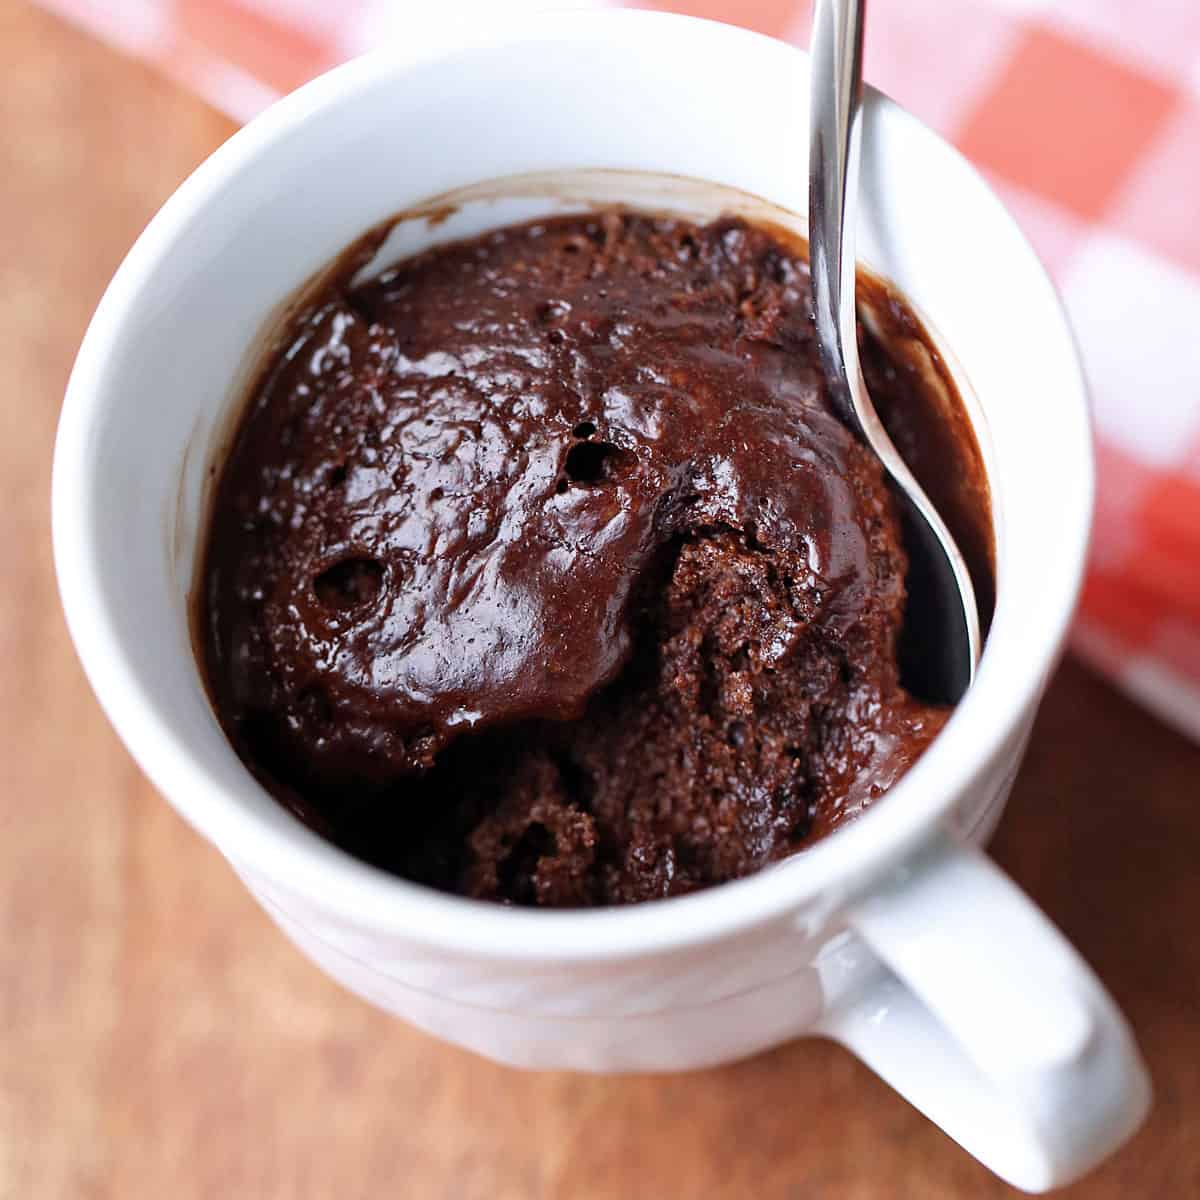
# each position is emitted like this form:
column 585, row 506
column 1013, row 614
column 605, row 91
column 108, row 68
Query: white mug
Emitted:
column 894, row 936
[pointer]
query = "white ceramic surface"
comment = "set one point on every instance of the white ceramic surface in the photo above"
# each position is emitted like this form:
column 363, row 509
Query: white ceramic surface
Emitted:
column 894, row 936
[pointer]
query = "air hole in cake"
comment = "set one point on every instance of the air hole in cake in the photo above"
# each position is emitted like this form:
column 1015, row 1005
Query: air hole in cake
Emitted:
column 597, row 462
column 576, row 782
column 349, row 583
column 515, row 873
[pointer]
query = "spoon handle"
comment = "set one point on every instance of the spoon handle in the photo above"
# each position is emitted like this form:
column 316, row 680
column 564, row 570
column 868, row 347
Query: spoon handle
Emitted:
column 836, row 94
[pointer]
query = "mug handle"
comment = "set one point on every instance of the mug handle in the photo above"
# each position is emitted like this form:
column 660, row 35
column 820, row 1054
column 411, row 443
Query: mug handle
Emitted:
column 982, row 1015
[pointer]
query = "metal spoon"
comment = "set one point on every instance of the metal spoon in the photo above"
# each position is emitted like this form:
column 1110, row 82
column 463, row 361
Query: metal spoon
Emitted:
column 943, row 583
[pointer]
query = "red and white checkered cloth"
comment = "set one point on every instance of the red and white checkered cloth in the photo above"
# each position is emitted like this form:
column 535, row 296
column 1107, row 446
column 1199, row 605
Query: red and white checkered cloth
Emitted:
column 1085, row 115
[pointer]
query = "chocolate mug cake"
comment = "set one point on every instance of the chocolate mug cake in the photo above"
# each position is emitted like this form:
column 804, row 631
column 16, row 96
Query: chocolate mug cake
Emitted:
column 545, row 569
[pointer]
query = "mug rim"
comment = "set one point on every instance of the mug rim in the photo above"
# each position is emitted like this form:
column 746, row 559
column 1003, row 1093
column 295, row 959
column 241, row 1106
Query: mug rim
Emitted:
column 297, row 859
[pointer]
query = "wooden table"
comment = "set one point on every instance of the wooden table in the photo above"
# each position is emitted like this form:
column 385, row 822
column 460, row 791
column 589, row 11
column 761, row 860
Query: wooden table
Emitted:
column 159, row 1038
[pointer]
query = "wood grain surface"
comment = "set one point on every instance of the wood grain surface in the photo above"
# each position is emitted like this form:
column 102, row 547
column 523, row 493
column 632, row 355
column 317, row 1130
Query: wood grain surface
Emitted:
column 159, row 1038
